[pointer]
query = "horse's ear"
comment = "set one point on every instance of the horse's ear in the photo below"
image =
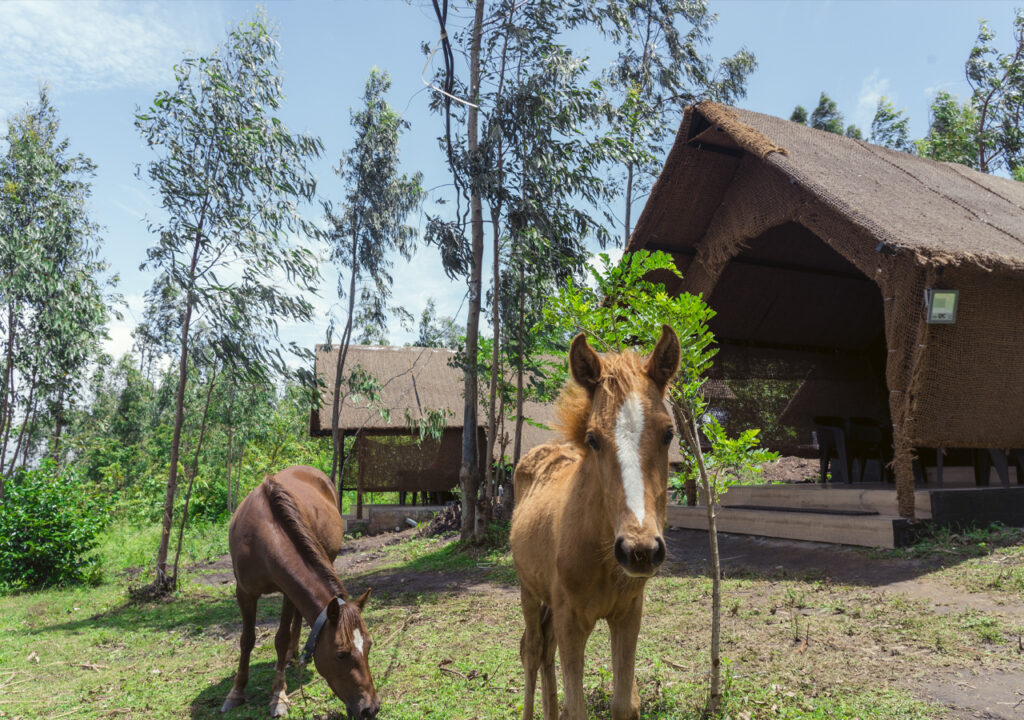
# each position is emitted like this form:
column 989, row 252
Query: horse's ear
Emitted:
column 361, row 600
column 333, row 611
column 664, row 361
column 584, row 363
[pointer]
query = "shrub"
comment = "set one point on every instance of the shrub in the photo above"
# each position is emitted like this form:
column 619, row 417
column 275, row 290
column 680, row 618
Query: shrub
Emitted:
column 48, row 526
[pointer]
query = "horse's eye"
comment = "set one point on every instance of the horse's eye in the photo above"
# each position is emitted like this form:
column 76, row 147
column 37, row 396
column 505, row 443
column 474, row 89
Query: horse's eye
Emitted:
column 667, row 437
column 344, row 654
column 592, row 441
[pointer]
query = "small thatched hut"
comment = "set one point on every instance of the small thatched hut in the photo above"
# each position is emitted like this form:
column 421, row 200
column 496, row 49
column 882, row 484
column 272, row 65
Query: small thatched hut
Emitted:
column 820, row 252
column 389, row 454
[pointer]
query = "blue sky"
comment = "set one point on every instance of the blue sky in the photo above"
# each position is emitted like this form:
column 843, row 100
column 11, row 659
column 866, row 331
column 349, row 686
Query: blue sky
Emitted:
column 102, row 60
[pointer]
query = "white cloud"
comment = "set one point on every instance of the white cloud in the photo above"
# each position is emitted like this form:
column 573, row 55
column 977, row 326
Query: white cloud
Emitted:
column 872, row 89
column 120, row 331
column 79, row 46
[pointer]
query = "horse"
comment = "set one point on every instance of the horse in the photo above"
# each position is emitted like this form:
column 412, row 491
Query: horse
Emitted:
column 587, row 527
column 284, row 537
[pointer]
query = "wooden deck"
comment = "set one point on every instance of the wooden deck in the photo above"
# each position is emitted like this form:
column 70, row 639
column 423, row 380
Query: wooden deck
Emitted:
column 859, row 514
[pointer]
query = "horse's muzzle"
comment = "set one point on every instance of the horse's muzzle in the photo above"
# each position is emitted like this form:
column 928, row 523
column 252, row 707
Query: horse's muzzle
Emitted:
column 640, row 559
column 365, row 710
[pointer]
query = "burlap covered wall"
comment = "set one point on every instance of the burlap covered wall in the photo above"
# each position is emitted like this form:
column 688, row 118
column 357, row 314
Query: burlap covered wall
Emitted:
column 969, row 391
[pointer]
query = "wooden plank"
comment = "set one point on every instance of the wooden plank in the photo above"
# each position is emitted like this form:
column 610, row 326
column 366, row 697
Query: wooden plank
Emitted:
column 807, row 496
column 865, row 531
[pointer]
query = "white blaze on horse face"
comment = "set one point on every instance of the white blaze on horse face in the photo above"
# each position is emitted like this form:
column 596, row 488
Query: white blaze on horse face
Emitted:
column 357, row 641
column 629, row 427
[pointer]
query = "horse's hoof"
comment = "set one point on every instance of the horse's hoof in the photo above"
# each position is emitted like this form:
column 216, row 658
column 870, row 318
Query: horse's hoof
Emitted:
column 279, row 705
column 231, row 703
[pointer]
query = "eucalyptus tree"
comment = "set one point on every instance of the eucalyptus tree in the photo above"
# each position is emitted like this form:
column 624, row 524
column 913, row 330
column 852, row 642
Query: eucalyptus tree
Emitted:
column 997, row 84
column 462, row 256
column 890, row 127
column 53, row 288
column 538, row 167
column 659, row 69
column 827, row 117
column 435, row 330
column 230, row 176
column 952, row 132
column 369, row 226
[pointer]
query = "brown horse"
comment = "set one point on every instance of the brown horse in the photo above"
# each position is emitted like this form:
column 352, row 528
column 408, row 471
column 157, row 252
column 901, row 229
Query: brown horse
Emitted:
column 587, row 528
column 284, row 538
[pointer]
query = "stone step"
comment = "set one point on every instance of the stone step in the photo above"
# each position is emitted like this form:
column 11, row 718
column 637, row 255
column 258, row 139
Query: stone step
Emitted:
column 875, row 530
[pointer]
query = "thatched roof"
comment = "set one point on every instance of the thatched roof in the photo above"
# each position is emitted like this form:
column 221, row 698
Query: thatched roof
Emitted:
column 413, row 379
column 418, row 380
column 940, row 212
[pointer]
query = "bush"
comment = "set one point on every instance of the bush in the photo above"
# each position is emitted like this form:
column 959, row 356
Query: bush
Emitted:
column 48, row 526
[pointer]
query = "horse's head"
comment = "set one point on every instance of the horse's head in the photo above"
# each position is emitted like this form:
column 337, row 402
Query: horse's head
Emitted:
column 627, row 436
column 342, row 658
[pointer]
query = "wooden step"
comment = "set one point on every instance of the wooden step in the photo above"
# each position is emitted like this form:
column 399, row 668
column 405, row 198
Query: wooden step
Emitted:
column 885, row 531
column 856, row 498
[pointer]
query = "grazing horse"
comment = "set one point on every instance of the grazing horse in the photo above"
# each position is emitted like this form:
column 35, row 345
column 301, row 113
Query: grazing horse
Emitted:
column 284, row 537
column 587, row 527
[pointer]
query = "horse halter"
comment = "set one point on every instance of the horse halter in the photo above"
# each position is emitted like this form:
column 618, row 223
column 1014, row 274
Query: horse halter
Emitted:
column 314, row 632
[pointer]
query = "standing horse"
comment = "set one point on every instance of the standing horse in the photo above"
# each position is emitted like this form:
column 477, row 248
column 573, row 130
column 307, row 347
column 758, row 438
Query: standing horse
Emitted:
column 284, row 537
column 587, row 528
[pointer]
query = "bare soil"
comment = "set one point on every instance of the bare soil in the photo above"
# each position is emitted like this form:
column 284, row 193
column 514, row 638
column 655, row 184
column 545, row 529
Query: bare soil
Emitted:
column 791, row 469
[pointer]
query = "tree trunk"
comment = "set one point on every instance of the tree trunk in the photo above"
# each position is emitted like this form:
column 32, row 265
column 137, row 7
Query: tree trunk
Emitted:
column 490, row 481
column 58, row 420
column 469, row 472
column 484, row 507
column 629, row 197
column 163, row 582
column 7, row 402
column 691, row 435
column 517, row 447
column 26, row 422
column 337, row 437
column 192, row 477
column 231, row 443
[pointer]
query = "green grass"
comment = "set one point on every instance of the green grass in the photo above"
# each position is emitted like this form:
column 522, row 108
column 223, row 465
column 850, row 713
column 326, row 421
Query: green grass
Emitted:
column 797, row 647
column 122, row 546
column 984, row 560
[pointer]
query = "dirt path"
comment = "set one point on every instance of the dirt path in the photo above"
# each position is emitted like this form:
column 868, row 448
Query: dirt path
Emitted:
column 851, row 566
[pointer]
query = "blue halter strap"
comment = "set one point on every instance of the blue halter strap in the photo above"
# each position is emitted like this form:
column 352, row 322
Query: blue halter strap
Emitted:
column 314, row 632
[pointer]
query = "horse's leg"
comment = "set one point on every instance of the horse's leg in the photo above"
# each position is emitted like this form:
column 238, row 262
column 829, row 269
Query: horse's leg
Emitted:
column 247, row 605
column 548, row 685
column 572, row 632
column 293, row 648
column 531, row 649
column 624, row 628
column 283, row 644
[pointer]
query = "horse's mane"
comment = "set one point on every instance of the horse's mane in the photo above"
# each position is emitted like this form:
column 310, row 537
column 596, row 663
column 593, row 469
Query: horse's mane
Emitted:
column 619, row 372
column 287, row 513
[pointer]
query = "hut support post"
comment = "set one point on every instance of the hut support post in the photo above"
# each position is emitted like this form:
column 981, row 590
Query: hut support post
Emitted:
column 906, row 337
column 341, row 476
column 359, row 480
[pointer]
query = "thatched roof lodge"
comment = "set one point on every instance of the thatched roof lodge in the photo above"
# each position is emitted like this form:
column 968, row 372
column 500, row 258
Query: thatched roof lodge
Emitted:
column 818, row 248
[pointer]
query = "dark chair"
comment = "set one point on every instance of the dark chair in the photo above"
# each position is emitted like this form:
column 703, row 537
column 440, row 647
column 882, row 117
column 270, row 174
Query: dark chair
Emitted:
column 865, row 442
column 985, row 459
column 831, row 433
